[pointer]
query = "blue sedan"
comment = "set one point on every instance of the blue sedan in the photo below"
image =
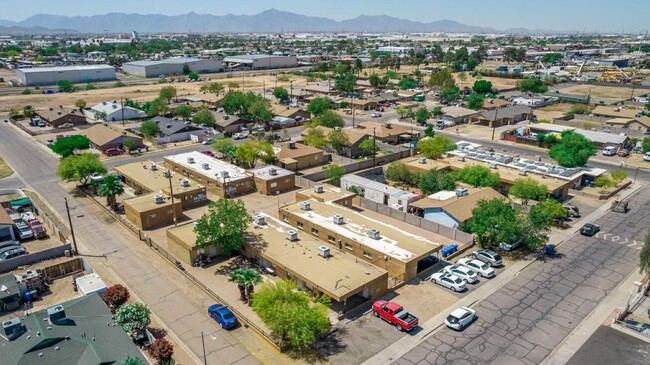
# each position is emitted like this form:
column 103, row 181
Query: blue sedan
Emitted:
column 223, row 316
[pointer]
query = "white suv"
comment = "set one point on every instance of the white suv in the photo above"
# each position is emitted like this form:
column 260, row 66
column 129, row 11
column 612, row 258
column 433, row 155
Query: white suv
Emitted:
column 646, row 156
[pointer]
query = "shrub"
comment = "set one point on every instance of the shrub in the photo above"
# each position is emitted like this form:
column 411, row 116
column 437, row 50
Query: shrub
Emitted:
column 161, row 349
column 604, row 182
column 116, row 295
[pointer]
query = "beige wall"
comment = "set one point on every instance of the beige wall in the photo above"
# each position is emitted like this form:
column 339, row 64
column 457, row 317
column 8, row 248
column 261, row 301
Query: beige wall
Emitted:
column 281, row 184
column 213, row 185
column 156, row 217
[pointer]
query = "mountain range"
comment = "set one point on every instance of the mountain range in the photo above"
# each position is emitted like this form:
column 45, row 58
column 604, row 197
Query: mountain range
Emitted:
column 268, row 21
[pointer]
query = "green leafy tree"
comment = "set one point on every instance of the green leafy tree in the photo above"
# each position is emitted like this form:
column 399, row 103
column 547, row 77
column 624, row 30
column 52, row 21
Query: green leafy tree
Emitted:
column 133, row 317
column 528, row 189
column 247, row 153
column 434, row 181
column 450, row 93
column 552, row 58
column 110, row 188
column 475, row 101
column 358, row 65
column 246, row 279
column 149, row 128
column 183, row 111
column 319, row 105
column 29, row 111
column 375, row 81
column 397, row 171
column 223, row 226
column 80, row 104
column 478, row 176
column 579, row 109
column 157, row 107
column 435, row 146
column 334, row 172
column 618, row 176
column 134, row 361
column 437, row 111
column 368, row 146
column 80, row 167
column 233, row 85
column 281, row 93
column 645, row 144
column 462, row 77
column 212, row 88
column 315, row 137
column 407, row 83
column 338, row 139
column 429, row 131
column 604, row 182
column 329, row 119
column 291, row 314
column 402, row 111
column 345, row 83
column 573, row 150
column 204, row 116
column 422, row 114
column 65, row 86
column 532, row 84
column 442, row 79
column 260, row 111
column 482, row 86
column 128, row 144
column 167, row 93
column 100, row 116
column 13, row 113
column 546, row 212
column 66, row 146
column 644, row 255
column 494, row 221
column 193, row 76
column 222, row 145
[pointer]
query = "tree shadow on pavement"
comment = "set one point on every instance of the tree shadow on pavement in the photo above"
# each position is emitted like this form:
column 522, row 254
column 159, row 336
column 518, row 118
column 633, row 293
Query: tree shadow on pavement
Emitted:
column 330, row 345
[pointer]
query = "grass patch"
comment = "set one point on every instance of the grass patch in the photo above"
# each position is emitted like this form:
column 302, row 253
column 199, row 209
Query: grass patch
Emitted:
column 5, row 170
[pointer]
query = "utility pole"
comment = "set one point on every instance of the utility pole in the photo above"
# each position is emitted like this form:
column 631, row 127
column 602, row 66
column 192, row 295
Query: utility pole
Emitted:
column 264, row 89
column 353, row 108
column 291, row 92
column 205, row 359
column 171, row 193
column 122, row 108
column 374, row 149
column 243, row 88
column 496, row 112
column 74, row 239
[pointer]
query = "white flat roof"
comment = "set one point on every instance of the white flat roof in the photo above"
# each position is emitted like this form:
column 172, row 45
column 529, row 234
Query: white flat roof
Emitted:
column 442, row 195
column 264, row 172
column 66, row 68
column 215, row 166
column 377, row 186
column 90, row 283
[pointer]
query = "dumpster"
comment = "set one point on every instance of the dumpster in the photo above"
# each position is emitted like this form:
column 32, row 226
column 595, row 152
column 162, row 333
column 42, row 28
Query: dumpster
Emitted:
column 448, row 250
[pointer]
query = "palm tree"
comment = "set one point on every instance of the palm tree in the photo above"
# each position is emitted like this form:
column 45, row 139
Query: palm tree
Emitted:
column 245, row 280
column 111, row 187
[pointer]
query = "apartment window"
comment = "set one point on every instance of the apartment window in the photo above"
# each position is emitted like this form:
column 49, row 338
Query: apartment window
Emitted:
column 314, row 231
column 299, row 224
column 331, row 239
column 367, row 255
column 169, row 211
column 152, row 216
column 274, row 184
column 348, row 246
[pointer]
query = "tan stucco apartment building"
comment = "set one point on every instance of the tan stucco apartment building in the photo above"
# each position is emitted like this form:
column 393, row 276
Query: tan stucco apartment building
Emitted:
column 271, row 179
column 152, row 210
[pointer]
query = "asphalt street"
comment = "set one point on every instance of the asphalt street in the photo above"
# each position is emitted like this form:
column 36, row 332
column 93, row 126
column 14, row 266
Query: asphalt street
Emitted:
column 171, row 297
column 526, row 319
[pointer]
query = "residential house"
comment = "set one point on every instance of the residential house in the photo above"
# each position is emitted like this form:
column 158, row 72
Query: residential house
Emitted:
column 599, row 139
column 456, row 114
column 616, row 112
column 6, row 227
column 78, row 331
column 103, row 136
column 405, row 95
column 10, row 293
column 181, row 242
column 229, row 124
column 387, row 132
column 380, row 193
column 176, row 131
column 387, row 98
column 503, row 116
column 490, row 104
column 297, row 114
column 56, row 117
column 531, row 101
column 320, row 89
column 152, row 210
column 643, row 99
column 297, row 156
column 452, row 208
column 115, row 112
column 351, row 148
column 362, row 104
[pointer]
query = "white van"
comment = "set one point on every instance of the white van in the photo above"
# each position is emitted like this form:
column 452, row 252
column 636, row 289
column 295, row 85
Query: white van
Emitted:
column 646, row 156
column 609, row 151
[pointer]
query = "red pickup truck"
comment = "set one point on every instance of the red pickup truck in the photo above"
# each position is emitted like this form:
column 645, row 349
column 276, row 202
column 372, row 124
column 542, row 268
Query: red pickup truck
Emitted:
column 394, row 314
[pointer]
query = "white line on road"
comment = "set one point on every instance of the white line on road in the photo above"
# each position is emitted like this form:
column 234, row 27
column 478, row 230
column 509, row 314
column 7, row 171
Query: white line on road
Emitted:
column 605, row 235
column 616, row 238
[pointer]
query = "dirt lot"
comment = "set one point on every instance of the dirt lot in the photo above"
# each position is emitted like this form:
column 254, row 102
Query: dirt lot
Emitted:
column 497, row 82
column 604, row 92
column 553, row 111
column 138, row 92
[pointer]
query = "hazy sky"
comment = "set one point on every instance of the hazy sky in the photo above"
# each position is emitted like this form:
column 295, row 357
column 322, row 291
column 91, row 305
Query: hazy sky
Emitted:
column 590, row 15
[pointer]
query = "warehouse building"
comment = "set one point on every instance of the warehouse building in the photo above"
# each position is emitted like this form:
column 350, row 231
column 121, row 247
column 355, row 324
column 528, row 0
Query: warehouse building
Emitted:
column 171, row 66
column 74, row 74
column 260, row 61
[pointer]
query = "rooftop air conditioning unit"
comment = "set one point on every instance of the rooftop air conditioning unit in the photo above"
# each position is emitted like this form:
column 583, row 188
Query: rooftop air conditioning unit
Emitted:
column 374, row 233
column 493, row 165
column 190, row 160
column 153, row 167
column 56, row 314
column 461, row 158
column 206, row 166
column 167, row 173
column 462, row 192
column 338, row 219
column 259, row 219
column 522, row 172
column 422, row 160
column 323, row 251
column 158, row 199
column 195, row 224
column 185, row 182
column 318, row 189
column 388, row 125
column 305, row 206
column 225, row 175
column 292, row 145
column 13, row 328
column 292, row 235
column 273, row 171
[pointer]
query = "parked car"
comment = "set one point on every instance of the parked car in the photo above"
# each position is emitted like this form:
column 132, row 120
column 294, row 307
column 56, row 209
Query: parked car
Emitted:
column 38, row 228
column 646, row 156
column 96, row 177
column 623, row 153
column 572, row 210
column 477, row 266
column 65, row 125
column 394, row 314
column 379, row 109
column 609, row 151
column 223, row 315
column 460, row 318
column 10, row 253
column 113, row 152
column 462, row 272
column 42, row 124
column 509, row 246
column 589, row 229
column 208, row 153
column 488, row 256
column 239, row 136
column 452, row 282
column 208, row 141
column 375, row 115
column 24, row 232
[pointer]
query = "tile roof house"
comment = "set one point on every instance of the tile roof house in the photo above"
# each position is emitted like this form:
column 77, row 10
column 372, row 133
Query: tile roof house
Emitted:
column 103, row 136
column 615, row 112
column 456, row 114
column 296, row 156
column 503, row 116
column 386, row 132
column 81, row 331
column 229, row 124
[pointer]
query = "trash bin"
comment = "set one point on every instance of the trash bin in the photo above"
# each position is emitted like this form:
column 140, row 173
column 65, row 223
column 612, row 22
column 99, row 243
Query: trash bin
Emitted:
column 550, row 249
